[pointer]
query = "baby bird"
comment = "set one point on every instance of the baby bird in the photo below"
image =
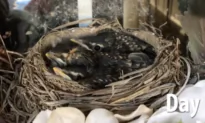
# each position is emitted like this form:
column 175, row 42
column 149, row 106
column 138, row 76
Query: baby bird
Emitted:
column 56, row 59
column 139, row 60
column 73, row 72
column 76, row 56
column 60, row 72
column 97, row 63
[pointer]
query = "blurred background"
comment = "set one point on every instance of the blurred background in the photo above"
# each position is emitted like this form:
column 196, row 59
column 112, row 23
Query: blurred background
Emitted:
column 45, row 15
column 131, row 13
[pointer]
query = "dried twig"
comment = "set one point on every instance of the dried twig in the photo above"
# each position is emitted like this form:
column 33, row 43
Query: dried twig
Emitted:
column 6, row 52
column 4, row 60
column 6, row 71
column 15, row 53
column 187, row 76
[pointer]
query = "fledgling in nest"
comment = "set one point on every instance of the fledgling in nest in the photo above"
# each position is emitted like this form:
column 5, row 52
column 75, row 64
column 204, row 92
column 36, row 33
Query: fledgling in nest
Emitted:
column 98, row 61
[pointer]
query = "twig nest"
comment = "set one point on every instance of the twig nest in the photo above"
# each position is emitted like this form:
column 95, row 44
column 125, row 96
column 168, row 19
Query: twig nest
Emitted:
column 101, row 115
column 66, row 115
column 40, row 89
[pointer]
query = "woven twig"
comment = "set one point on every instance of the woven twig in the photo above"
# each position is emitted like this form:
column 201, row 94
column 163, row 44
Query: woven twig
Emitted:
column 38, row 89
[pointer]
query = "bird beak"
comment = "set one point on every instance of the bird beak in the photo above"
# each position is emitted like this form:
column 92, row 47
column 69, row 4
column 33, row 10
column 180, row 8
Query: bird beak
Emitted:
column 80, row 42
column 53, row 58
column 50, row 56
column 47, row 55
column 60, row 72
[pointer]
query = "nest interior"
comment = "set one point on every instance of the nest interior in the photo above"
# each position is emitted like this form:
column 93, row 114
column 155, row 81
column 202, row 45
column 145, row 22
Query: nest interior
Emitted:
column 39, row 89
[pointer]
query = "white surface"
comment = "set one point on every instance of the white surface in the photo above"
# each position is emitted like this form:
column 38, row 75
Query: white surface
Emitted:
column 196, row 91
column 141, row 119
column 101, row 115
column 42, row 117
column 85, row 11
column 162, row 116
column 66, row 115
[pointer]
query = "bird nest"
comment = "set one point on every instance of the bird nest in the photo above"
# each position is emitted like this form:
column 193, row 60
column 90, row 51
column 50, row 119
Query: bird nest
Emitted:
column 9, row 65
column 40, row 89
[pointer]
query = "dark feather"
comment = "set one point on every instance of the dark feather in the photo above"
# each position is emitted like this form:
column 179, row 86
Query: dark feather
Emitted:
column 109, row 58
